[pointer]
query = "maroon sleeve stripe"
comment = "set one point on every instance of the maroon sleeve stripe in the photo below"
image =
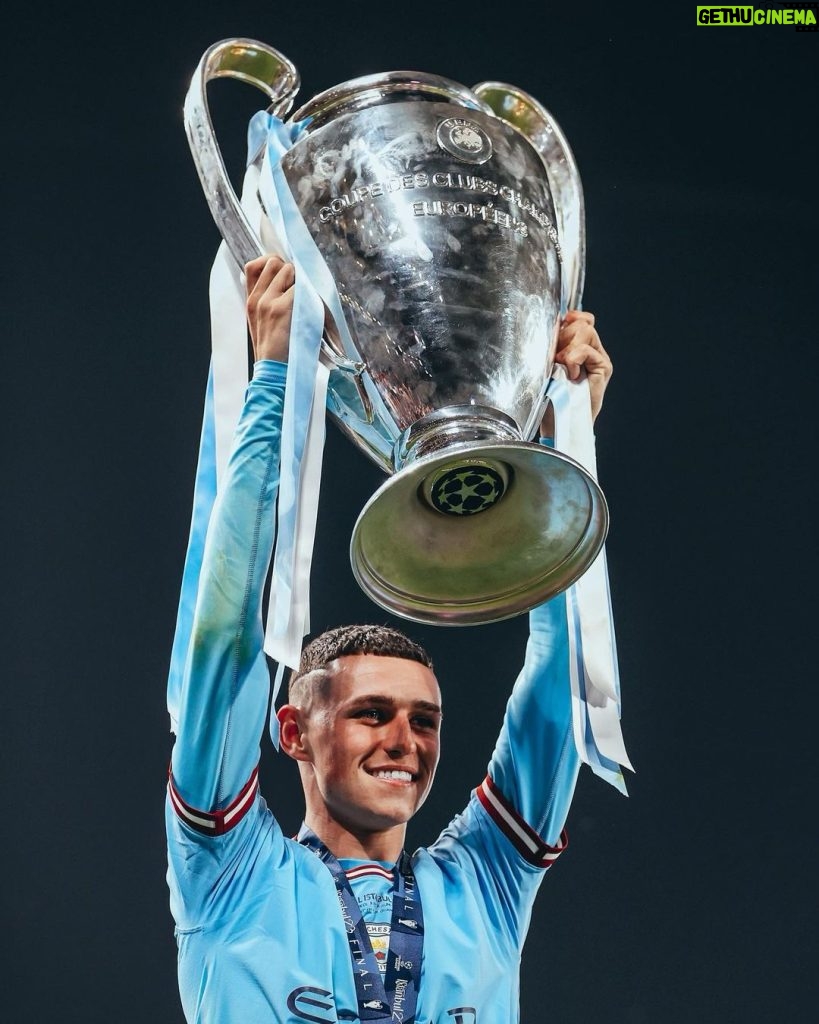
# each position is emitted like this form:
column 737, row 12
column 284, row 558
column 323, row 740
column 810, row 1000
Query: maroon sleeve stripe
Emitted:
column 522, row 836
column 215, row 823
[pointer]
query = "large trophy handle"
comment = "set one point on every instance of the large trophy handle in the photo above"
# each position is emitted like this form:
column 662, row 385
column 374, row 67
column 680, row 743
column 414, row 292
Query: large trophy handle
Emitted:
column 272, row 73
column 532, row 119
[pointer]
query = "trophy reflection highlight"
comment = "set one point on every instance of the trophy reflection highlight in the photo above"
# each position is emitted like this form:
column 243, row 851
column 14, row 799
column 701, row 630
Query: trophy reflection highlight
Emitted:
column 451, row 220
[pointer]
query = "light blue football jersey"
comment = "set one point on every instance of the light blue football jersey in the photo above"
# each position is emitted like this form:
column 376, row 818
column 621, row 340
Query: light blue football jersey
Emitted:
column 260, row 935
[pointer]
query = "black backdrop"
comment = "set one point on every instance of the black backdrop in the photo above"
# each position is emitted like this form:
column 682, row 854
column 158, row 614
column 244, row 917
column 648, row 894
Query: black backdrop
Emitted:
column 693, row 899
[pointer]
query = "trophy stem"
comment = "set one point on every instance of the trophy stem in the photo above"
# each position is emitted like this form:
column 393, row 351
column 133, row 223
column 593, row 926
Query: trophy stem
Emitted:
column 456, row 424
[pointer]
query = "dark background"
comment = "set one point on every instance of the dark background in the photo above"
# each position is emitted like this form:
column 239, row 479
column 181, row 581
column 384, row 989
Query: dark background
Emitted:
column 693, row 900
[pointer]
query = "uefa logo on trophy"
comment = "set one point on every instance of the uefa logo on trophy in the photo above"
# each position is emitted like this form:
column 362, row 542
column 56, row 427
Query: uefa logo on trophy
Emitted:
column 451, row 222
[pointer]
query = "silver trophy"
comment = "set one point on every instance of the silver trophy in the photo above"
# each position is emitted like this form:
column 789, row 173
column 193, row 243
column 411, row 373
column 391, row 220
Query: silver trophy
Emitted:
column 451, row 220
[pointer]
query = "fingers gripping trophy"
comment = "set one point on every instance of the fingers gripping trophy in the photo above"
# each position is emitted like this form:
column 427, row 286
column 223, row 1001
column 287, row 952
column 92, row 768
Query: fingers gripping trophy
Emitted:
column 445, row 232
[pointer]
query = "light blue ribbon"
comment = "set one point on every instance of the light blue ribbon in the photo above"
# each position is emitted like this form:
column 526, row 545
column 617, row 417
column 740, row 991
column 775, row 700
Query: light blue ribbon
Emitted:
column 602, row 766
column 314, row 289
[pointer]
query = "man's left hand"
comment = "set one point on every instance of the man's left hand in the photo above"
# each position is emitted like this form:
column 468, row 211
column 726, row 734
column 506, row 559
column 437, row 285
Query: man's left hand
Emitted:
column 579, row 349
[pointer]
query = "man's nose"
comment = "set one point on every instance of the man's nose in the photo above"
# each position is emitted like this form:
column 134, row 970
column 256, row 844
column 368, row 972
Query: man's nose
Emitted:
column 400, row 738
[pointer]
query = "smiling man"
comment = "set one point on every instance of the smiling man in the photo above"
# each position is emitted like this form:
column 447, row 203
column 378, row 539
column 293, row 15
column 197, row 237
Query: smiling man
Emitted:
column 341, row 924
column 364, row 727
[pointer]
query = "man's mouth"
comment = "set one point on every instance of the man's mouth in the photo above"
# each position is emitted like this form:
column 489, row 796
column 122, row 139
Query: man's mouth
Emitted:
column 391, row 774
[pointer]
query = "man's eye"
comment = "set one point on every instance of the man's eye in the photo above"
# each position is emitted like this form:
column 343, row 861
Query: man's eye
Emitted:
column 374, row 714
column 423, row 722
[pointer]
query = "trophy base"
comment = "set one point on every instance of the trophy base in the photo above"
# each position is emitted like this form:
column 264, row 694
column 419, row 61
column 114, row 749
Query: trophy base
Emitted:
column 478, row 533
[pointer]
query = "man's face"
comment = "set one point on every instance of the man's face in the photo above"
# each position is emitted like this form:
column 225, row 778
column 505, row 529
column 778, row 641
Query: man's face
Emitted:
column 374, row 740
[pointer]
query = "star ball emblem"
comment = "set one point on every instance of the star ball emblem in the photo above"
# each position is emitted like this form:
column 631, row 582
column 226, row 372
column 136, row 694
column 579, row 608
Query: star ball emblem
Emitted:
column 466, row 490
column 464, row 139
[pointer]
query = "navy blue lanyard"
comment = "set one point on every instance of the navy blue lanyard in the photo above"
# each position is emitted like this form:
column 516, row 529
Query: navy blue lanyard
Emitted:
column 396, row 997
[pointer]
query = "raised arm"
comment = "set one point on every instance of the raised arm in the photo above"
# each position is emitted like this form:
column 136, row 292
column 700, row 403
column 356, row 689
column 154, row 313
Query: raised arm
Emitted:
column 225, row 681
column 534, row 767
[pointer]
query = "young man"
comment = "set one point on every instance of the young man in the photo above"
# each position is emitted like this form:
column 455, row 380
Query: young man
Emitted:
column 340, row 924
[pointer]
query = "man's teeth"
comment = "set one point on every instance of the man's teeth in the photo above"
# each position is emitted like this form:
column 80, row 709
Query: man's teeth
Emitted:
column 394, row 774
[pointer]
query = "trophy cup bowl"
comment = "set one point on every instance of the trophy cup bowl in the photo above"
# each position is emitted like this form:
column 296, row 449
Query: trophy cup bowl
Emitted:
column 443, row 214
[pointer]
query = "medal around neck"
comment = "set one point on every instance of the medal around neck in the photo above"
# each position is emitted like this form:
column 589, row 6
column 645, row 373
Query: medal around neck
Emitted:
column 451, row 220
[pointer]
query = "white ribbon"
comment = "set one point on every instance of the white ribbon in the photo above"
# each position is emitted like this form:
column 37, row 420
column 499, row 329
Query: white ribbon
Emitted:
column 303, row 423
column 594, row 673
column 229, row 332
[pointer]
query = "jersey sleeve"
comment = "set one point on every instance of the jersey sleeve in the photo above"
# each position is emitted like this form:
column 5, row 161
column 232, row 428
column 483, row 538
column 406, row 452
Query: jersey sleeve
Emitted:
column 533, row 770
column 225, row 684
column 512, row 828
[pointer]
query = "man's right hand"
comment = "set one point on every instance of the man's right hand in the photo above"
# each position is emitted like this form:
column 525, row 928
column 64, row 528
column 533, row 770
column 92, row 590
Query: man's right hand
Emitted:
column 270, row 295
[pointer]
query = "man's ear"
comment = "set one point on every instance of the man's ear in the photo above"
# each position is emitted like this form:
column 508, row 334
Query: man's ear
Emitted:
column 291, row 732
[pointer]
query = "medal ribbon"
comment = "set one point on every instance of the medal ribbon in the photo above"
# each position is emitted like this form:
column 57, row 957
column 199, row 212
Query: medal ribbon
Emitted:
column 396, row 997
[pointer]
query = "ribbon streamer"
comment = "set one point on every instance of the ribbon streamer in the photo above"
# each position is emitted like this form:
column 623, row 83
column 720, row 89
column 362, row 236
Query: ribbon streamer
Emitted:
column 303, row 423
column 594, row 672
